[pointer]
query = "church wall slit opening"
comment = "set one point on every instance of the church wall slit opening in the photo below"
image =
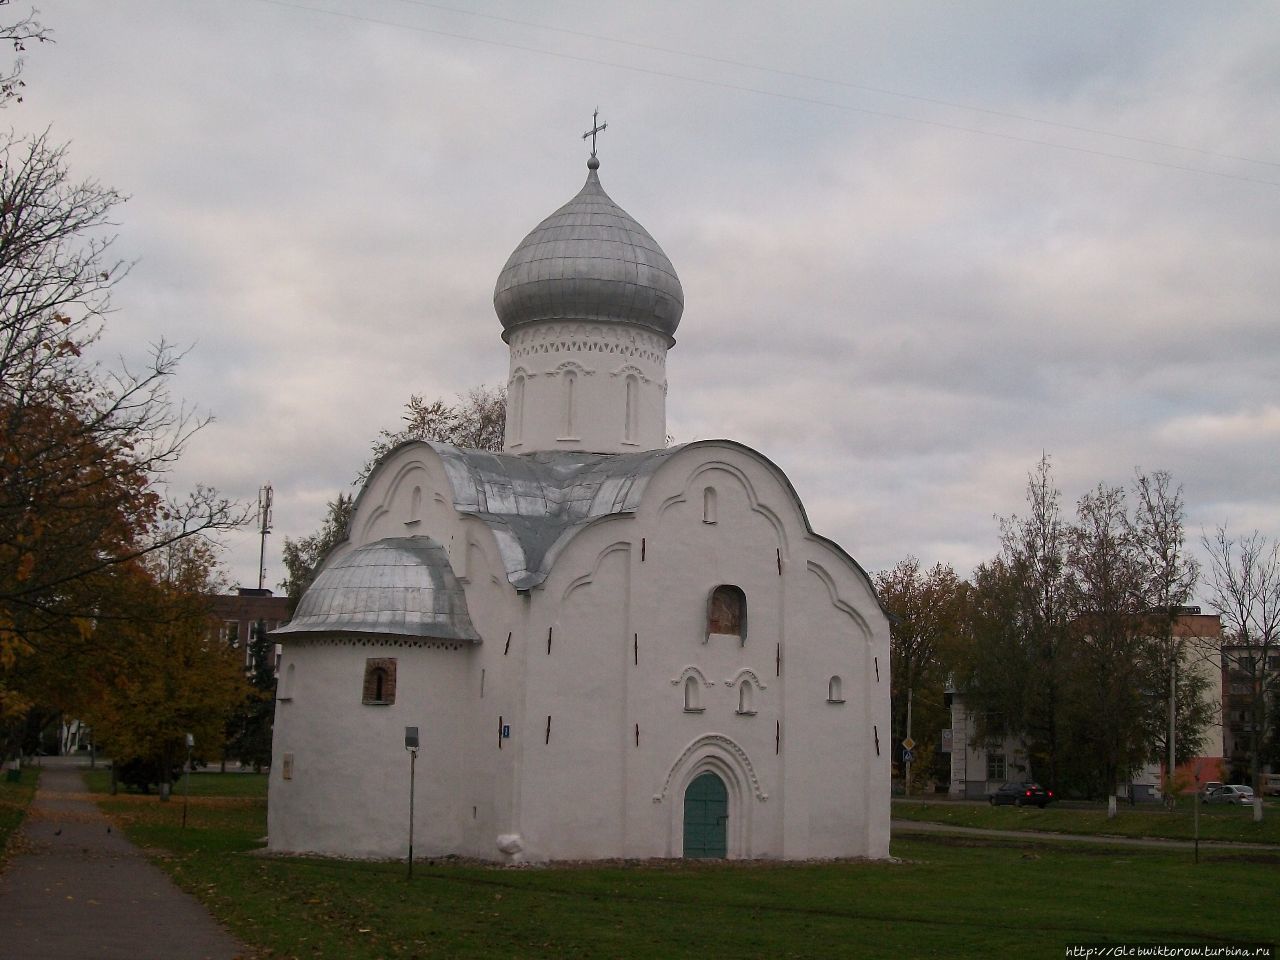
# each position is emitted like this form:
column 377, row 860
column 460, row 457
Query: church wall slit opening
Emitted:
column 548, row 736
column 499, row 731
column 636, row 649
column 507, row 648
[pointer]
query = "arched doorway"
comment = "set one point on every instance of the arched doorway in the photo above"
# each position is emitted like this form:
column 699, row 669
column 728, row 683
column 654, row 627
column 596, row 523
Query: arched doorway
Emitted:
column 706, row 813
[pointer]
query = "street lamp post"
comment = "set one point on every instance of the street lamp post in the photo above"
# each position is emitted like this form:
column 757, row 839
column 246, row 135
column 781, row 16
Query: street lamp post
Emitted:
column 186, row 790
column 411, row 744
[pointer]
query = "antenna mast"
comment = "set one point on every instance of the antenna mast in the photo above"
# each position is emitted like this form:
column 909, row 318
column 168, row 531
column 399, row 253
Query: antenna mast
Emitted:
column 264, row 527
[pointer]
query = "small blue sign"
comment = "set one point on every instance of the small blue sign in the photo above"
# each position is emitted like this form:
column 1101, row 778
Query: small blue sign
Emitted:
column 506, row 731
column 907, row 756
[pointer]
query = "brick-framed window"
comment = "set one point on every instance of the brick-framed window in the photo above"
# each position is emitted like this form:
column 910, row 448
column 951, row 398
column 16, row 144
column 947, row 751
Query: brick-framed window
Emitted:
column 380, row 681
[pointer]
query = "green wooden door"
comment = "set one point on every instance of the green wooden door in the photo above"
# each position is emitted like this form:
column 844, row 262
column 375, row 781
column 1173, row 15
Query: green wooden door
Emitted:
column 706, row 811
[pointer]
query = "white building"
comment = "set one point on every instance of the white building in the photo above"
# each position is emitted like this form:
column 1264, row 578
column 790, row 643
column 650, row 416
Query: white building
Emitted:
column 610, row 648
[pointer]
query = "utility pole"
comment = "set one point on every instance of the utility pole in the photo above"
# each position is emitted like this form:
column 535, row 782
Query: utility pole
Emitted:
column 264, row 527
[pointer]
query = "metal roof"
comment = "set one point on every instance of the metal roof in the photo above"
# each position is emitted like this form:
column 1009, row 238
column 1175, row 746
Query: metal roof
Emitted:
column 401, row 586
column 535, row 503
column 590, row 260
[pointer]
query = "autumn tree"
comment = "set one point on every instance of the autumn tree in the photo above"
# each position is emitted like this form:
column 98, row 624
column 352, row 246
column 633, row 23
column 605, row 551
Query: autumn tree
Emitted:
column 1073, row 628
column 19, row 34
column 83, row 448
column 477, row 421
column 1020, row 623
column 925, row 638
column 1157, row 530
column 163, row 672
column 1244, row 586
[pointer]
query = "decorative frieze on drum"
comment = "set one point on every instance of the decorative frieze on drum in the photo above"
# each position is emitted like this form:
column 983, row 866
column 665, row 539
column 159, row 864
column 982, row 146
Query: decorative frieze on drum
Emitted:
column 578, row 337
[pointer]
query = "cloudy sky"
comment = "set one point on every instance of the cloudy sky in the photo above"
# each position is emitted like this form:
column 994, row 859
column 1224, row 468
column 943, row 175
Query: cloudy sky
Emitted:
column 920, row 242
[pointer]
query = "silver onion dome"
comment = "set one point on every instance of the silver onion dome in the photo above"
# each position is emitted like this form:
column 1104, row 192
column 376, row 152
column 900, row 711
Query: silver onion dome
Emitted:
column 590, row 260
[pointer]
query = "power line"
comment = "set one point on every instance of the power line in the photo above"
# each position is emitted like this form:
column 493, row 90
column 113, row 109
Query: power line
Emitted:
column 742, row 88
column 796, row 75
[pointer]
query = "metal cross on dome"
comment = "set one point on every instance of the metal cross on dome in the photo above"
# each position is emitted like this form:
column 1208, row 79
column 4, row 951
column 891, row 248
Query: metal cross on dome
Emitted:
column 596, row 127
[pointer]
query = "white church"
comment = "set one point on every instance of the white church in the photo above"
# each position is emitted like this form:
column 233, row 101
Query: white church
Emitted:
column 609, row 647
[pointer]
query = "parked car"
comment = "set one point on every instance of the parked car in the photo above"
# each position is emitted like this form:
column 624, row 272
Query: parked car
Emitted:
column 1209, row 787
column 1021, row 794
column 1231, row 793
column 1271, row 785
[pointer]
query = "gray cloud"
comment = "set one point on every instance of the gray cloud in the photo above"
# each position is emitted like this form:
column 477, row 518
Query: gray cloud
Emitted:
column 902, row 314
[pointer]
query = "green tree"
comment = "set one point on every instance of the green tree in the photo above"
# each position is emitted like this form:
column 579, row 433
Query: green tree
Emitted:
column 250, row 728
column 926, row 635
column 302, row 557
column 476, row 421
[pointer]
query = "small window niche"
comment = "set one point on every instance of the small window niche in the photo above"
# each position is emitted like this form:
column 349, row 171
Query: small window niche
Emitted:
column 284, row 691
column 835, row 690
column 415, row 507
column 692, row 696
column 746, row 699
column 727, row 612
column 380, row 681
column 709, row 505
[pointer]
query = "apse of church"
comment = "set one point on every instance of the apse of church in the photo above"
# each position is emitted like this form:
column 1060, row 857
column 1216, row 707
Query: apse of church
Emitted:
column 610, row 647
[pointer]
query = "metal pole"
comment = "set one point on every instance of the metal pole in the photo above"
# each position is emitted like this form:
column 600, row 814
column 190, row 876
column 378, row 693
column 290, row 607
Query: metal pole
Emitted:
column 906, row 778
column 1198, row 800
column 413, row 762
column 1171, row 795
column 186, row 790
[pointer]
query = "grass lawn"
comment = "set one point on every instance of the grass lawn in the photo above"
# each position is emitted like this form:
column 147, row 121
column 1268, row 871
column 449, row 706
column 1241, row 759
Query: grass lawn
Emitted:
column 1216, row 822
column 203, row 784
column 14, row 800
column 947, row 897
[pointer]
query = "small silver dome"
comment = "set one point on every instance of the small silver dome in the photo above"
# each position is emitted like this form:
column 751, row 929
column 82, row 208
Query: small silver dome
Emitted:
column 401, row 586
column 589, row 261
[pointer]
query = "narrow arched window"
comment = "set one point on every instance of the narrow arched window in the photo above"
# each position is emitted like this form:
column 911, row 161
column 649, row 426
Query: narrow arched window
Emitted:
column 692, row 695
column 727, row 612
column 834, row 694
column 379, row 681
column 632, row 428
column 709, row 505
column 570, row 389
column 517, row 410
column 284, row 691
column 415, row 505
column 746, row 697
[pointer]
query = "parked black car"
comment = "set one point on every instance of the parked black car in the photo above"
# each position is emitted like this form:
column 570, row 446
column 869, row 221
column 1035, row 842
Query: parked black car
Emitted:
column 1019, row 794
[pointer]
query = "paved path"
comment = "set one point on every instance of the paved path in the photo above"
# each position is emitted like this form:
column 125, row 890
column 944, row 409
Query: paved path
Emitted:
column 77, row 890
column 900, row 827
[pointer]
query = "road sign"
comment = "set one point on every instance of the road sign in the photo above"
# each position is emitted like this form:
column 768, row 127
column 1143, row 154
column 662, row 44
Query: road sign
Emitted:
column 907, row 756
column 908, row 744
